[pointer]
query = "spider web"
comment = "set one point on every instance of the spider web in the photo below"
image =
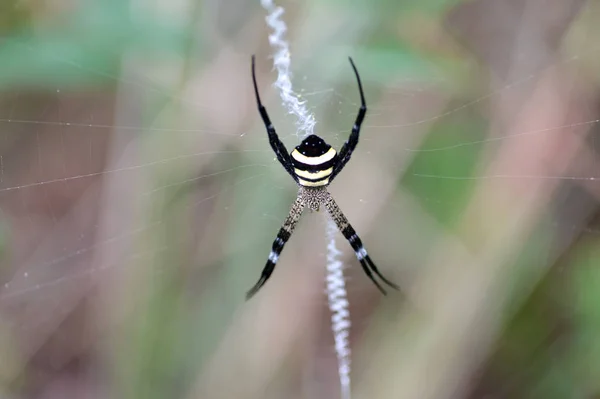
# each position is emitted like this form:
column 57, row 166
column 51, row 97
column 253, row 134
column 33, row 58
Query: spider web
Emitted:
column 154, row 187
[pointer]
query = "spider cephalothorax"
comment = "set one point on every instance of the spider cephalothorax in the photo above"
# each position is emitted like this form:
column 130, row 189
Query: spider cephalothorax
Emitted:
column 313, row 197
column 313, row 165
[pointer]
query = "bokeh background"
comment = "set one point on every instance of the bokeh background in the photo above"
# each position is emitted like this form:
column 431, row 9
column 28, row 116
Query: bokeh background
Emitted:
column 139, row 199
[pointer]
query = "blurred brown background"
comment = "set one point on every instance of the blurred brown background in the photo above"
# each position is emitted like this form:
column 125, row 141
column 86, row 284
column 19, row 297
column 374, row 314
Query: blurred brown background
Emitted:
column 139, row 199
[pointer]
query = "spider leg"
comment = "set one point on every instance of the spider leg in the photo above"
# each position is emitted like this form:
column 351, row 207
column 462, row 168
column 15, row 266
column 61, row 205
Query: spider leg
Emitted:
column 350, row 144
column 361, row 253
column 364, row 259
column 367, row 271
column 377, row 272
column 278, row 147
column 284, row 234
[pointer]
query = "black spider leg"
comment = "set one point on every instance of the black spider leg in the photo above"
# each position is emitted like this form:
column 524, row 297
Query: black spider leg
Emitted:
column 349, row 146
column 364, row 258
column 278, row 147
column 361, row 253
column 284, row 234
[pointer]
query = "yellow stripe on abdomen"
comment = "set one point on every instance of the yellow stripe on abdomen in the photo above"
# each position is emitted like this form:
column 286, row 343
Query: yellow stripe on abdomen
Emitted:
column 319, row 183
column 328, row 156
column 313, row 175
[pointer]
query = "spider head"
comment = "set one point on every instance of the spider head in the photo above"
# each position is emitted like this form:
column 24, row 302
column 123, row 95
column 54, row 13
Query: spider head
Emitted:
column 313, row 161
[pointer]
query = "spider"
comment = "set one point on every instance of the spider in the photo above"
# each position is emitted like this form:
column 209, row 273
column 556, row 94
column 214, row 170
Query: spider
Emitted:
column 313, row 165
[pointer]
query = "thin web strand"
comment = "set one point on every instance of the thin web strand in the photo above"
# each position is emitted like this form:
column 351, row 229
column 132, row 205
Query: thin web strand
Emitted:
column 305, row 121
column 339, row 306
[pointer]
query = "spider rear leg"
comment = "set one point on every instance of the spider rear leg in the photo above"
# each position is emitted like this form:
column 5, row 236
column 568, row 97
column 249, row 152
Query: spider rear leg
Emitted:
column 385, row 280
column 284, row 234
column 361, row 253
column 364, row 259
column 276, row 249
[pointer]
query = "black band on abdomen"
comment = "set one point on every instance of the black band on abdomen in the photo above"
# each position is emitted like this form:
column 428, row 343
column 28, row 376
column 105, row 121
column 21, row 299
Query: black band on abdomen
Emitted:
column 313, row 168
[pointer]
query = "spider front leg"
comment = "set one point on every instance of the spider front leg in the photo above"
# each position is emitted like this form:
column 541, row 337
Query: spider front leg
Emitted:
column 278, row 147
column 349, row 146
column 283, row 235
column 360, row 251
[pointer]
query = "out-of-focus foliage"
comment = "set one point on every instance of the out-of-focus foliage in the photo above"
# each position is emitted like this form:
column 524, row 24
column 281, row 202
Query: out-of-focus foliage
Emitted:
column 83, row 45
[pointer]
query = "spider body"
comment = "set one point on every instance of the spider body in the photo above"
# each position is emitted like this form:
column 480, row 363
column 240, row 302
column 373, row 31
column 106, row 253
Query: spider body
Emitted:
column 313, row 164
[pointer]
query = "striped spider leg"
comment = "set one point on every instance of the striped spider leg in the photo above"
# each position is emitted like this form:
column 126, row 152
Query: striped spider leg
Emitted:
column 282, row 236
column 361, row 253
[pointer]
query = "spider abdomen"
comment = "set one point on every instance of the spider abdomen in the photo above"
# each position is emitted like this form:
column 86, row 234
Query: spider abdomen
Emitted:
column 313, row 161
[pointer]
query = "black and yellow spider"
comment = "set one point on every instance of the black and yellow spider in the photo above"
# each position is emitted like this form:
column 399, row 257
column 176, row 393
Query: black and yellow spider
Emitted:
column 313, row 165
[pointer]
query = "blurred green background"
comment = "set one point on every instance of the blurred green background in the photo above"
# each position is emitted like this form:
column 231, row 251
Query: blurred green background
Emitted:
column 139, row 199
